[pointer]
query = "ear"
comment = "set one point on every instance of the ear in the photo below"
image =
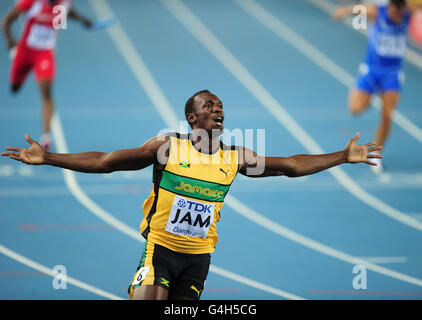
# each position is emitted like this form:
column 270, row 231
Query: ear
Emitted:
column 191, row 118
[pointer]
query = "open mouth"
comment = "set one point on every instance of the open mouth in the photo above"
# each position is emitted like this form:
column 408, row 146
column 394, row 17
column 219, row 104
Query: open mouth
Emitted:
column 219, row 120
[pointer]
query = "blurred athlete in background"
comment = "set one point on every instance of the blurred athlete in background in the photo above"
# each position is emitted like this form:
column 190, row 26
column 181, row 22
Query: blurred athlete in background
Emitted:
column 381, row 71
column 35, row 48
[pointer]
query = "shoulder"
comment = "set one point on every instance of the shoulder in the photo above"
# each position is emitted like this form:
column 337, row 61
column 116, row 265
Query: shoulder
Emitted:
column 246, row 157
column 243, row 150
column 156, row 149
column 156, row 142
column 372, row 10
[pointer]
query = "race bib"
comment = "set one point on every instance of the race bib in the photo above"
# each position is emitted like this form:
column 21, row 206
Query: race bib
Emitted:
column 140, row 275
column 42, row 37
column 391, row 46
column 190, row 218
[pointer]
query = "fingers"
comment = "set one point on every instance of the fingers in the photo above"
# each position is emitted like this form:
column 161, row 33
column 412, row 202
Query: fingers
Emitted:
column 30, row 141
column 379, row 148
column 371, row 163
column 9, row 154
column 13, row 149
column 15, row 157
column 378, row 156
column 373, row 143
column 370, row 144
column 356, row 137
column 12, row 155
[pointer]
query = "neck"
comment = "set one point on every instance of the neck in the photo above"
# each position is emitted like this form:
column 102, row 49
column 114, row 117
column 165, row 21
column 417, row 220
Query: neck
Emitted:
column 206, row 142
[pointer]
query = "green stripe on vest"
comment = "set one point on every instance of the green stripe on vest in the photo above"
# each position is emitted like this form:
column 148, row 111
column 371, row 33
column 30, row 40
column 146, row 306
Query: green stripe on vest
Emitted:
column 193, row 188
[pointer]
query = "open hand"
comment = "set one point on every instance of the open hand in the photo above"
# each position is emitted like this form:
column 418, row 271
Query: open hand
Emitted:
column 361, row 153
column 33, row 155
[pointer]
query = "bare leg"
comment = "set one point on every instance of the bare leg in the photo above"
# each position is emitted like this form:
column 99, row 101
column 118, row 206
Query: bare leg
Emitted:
column 358, row 101
column 47, row 103
column 155, row 293
column 389, row 103
column 150, row 293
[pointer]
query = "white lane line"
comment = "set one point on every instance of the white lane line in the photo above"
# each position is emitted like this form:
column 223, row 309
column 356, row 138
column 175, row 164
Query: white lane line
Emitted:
column 222, row 54
column 39, row 267
column 410, row 55
column 417, row 216
column 261, row 220
column 192, row 23
column 253, row 283
column 382, row 260
column 324, row 62
column 136, row 64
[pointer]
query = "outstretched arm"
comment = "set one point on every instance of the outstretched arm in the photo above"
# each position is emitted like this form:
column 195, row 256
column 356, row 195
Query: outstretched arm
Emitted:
column 302, row 164
column 73, row 14
column 91, row 162
column 6, row 24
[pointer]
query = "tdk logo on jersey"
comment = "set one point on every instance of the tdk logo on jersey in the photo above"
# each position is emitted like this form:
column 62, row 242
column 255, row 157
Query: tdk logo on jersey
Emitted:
column 195, row 206
column 181, row 203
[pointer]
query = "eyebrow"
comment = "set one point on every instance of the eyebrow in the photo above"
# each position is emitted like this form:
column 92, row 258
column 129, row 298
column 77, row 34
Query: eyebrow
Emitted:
column 212, row 102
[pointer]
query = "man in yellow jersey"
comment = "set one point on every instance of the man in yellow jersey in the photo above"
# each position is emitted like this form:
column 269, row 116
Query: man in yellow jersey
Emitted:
column 191, row 176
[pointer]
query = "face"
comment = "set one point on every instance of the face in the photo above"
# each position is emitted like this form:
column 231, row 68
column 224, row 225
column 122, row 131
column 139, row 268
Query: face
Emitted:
column 208, row 113
column 396, row 14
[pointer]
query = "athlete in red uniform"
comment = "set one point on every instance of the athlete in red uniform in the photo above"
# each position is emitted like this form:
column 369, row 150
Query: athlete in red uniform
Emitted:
column 35, row 49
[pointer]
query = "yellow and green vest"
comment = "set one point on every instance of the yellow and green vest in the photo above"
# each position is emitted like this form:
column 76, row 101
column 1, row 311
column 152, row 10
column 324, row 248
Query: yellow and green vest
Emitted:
column 187, row 196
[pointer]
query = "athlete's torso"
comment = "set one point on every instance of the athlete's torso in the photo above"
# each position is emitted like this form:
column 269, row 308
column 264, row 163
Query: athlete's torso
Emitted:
column 40, row 16
column 387, row 41
column 188, row 194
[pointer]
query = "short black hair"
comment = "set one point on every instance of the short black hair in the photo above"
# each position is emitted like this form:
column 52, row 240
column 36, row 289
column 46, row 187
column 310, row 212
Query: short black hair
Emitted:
column 189, row 103
column 398, row 3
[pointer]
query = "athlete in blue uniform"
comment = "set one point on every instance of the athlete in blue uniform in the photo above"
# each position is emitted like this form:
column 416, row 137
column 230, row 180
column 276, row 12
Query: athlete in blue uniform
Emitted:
column 381, row 71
